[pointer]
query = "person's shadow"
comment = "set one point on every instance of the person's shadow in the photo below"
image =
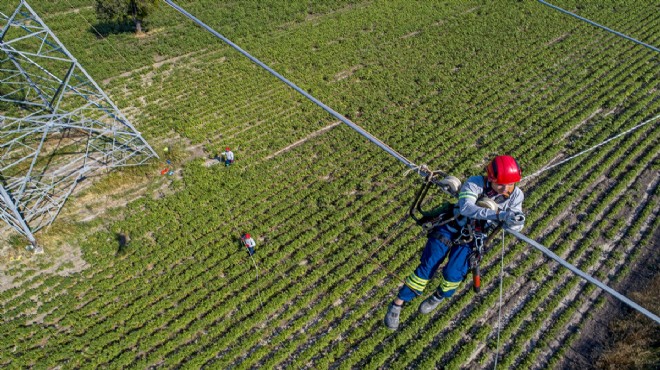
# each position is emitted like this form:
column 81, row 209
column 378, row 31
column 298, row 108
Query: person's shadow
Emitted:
column 239, row 241
column 122, row 240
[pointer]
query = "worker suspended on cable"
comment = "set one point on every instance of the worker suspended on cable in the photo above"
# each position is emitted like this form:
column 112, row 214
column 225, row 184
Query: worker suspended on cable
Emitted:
column 457, row 239
column 249, row 243
column 229, row 157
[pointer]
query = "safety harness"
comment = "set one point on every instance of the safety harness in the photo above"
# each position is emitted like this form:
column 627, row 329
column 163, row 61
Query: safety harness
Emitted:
column 472, row 232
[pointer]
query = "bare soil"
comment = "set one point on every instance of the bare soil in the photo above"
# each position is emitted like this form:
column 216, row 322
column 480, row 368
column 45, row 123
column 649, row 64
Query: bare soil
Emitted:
column 66, row 260
column 597, row 335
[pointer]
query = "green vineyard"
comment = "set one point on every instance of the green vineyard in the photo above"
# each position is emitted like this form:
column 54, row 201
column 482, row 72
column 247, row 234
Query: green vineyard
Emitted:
column 143, row 270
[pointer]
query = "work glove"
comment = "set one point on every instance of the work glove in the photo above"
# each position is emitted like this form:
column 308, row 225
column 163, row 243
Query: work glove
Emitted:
column 512, row 219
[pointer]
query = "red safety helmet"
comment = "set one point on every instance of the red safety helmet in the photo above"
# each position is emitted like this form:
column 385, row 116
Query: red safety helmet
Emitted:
column 227, row 149
column 247, row 236
column 504, row 170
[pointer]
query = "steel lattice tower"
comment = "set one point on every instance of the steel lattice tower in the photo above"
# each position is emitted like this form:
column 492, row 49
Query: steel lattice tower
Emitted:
column 57, row 126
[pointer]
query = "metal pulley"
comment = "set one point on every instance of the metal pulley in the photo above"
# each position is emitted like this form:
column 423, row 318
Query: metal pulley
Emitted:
column 450, row 184
column 485, row 202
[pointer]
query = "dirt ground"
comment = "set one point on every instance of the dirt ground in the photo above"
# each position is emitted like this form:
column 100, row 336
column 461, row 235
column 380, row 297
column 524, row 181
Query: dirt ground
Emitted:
column 597, row 335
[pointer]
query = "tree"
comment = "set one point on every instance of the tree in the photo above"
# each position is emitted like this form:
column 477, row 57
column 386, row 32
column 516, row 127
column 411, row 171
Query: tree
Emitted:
column 125, row 11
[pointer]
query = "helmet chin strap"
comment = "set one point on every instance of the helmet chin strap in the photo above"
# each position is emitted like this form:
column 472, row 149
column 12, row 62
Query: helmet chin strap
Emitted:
column 506, row 193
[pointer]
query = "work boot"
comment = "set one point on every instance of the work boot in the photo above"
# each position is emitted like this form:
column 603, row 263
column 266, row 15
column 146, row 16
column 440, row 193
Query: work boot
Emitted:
column 430, row 303
column 392, row 316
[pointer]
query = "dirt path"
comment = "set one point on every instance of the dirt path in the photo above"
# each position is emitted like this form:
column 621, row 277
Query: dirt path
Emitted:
column 301, row 141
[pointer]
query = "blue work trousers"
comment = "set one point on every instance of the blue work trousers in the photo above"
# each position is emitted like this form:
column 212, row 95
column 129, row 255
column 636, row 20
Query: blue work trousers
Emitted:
column 433, row 255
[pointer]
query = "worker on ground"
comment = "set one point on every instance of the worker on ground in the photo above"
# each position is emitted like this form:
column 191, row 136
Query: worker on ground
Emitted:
column 456, row 238
column 249, row 243
column 229, row 157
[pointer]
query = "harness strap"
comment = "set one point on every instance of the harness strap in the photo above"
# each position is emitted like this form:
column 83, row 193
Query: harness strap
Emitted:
column 436, row 234
column 429, row 226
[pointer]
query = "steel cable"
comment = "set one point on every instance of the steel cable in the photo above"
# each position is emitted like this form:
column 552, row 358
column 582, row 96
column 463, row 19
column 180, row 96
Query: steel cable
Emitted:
column 600, row 26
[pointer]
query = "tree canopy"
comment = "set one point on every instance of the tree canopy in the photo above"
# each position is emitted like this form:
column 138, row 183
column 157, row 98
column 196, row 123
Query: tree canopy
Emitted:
column 135, row 11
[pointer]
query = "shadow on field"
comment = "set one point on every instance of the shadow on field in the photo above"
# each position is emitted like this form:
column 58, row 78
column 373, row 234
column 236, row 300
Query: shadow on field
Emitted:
column 239, row 242
column 104, row 29
column 122, row 241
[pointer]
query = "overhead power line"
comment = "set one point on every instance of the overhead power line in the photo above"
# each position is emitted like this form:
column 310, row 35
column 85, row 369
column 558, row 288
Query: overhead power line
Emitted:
column 600, row 26
column 405, row 161
column 340, row 117
column 585, row 276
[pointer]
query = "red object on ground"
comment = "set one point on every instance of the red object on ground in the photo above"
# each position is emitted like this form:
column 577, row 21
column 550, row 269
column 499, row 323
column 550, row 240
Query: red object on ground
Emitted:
column 164, row 171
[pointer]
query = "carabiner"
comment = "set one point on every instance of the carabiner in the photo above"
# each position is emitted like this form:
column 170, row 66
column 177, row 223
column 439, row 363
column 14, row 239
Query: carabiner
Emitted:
column 479, row 242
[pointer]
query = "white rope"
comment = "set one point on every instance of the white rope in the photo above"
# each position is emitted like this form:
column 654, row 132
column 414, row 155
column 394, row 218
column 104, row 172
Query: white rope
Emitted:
column 411, row 165
column 499, row 314
column 590, row 149
column 258, row 291
column 422, row 169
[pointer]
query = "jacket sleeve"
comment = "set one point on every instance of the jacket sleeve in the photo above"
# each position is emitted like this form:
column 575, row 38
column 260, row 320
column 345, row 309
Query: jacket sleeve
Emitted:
column 515, row 204
column 467, row 199
column 516, row 201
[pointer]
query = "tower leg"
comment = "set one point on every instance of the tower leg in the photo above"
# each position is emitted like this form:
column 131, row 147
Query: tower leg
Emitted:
column 19, row 223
